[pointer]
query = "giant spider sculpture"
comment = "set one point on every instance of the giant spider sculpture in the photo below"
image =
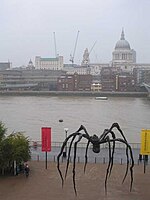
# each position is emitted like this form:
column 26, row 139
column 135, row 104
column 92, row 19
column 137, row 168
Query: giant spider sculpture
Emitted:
column 108, row 137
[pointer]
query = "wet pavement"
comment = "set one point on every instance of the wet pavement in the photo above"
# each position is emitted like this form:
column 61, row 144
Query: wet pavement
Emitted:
column 46, row 184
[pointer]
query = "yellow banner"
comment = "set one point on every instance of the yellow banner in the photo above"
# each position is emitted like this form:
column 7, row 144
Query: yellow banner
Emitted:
column 145, row 142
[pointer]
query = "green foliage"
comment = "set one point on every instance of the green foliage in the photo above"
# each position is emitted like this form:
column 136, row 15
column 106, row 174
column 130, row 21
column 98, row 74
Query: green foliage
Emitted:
column 20, row 147
column 2, row 131
column 5, row 153
column 14, row 147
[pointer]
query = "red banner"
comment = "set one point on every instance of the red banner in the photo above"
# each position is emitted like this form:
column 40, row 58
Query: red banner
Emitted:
column 46, row 139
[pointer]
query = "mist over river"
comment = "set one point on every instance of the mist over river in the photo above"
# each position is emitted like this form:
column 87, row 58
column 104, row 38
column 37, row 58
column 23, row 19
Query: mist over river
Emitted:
column 29, row 113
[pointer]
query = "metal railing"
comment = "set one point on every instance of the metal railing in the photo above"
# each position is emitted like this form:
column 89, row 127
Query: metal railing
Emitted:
column 83, row 145
column 102, row 157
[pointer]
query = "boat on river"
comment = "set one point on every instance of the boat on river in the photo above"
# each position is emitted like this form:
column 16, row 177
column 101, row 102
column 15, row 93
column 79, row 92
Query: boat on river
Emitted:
column 101, row 98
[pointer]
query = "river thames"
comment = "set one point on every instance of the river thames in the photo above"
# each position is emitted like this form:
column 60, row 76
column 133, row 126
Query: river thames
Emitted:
column 29, row 113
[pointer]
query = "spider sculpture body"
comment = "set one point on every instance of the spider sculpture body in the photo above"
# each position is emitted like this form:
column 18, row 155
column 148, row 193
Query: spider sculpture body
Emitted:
column 109, row 137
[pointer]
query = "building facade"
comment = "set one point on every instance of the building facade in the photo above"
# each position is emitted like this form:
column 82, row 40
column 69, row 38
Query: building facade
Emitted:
column 49, row 63
column 27, row 79
column 142, row 75
column 75, row 82
column 5, row 65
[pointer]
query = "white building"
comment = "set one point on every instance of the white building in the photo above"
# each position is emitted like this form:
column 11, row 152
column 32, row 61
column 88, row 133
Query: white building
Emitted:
column 122, row 53
column 123, row 57
column 49, row 63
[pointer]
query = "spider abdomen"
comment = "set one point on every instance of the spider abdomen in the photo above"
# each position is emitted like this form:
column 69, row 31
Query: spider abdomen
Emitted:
column 96, row 148
column 96, row 144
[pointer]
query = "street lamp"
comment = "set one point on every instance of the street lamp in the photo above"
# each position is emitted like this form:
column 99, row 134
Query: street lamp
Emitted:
column 65, row 152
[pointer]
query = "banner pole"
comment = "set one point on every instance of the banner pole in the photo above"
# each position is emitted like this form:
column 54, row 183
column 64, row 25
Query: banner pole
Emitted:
column 46, row 160
column 145, row 163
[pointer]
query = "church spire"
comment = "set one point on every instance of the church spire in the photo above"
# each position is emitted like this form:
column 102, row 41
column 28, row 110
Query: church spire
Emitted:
column 122, row 35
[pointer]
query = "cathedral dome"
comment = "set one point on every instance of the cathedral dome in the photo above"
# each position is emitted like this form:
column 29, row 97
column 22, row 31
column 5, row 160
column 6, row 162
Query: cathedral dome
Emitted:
column 122, row 43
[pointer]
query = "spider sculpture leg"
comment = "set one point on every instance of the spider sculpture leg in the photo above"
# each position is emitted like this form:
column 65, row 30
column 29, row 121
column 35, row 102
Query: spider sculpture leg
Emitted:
column 87, row 146
column 116, row 125
column 73, row 136
column 111, row 156
column 113, row 151
column 106, row 132
column 69, row 151
column 132, row 160
column 74, row 162
column 61, row 152
column 102, row 137
column 127, row 168
column 86, row 135
column 109, row 163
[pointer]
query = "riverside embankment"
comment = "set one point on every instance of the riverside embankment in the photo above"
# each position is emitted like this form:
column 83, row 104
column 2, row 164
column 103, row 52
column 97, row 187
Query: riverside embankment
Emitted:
column 74, row 93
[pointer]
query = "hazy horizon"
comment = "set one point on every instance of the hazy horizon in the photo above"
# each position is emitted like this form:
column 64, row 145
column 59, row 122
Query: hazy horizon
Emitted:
column 27, row 29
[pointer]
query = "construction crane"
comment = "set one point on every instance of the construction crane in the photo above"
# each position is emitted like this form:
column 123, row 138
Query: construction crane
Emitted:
column 92, row 47
column 72, row 56
column 55, row 45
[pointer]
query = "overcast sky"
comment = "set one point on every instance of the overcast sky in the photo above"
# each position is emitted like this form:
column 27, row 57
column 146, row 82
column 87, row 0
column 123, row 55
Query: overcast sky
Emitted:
column 27, row 26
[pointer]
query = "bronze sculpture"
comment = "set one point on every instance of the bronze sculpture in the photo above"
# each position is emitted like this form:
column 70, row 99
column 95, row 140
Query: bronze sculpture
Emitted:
column 108, row 137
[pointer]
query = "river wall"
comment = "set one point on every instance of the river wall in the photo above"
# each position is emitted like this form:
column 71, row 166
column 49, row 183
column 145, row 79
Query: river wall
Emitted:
column 74, row 93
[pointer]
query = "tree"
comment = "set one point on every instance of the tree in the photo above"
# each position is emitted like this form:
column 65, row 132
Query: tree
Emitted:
column 14, row 147
column 2, row 149
column 2, row 131
column 5, row 155
column 20, row 147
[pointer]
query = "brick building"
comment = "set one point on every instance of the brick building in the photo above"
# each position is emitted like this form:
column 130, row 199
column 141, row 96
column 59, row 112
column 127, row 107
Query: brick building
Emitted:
column 75, row 82
column 108, row 79
column 65, row 83
column 114, row 79
column 125, row 83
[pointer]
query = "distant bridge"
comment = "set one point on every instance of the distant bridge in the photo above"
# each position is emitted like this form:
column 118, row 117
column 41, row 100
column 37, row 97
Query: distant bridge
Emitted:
column 147, row 86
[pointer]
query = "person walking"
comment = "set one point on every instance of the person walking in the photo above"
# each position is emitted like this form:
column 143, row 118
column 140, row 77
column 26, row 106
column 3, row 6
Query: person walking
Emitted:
column 26, row 170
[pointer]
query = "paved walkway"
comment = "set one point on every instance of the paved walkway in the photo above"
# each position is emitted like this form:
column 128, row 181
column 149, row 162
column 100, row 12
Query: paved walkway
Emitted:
column 45, row 184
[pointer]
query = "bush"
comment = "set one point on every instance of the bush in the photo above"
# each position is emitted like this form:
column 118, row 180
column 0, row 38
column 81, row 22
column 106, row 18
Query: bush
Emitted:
column 14, row 147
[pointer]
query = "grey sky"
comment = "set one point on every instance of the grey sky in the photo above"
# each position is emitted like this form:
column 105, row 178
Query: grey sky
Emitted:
column 27, row 28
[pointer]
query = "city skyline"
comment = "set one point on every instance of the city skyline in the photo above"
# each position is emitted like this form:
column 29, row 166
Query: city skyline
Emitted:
column 28, row 27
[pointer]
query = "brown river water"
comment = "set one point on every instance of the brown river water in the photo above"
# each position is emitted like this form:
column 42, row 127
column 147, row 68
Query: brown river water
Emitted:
column 29, row 114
